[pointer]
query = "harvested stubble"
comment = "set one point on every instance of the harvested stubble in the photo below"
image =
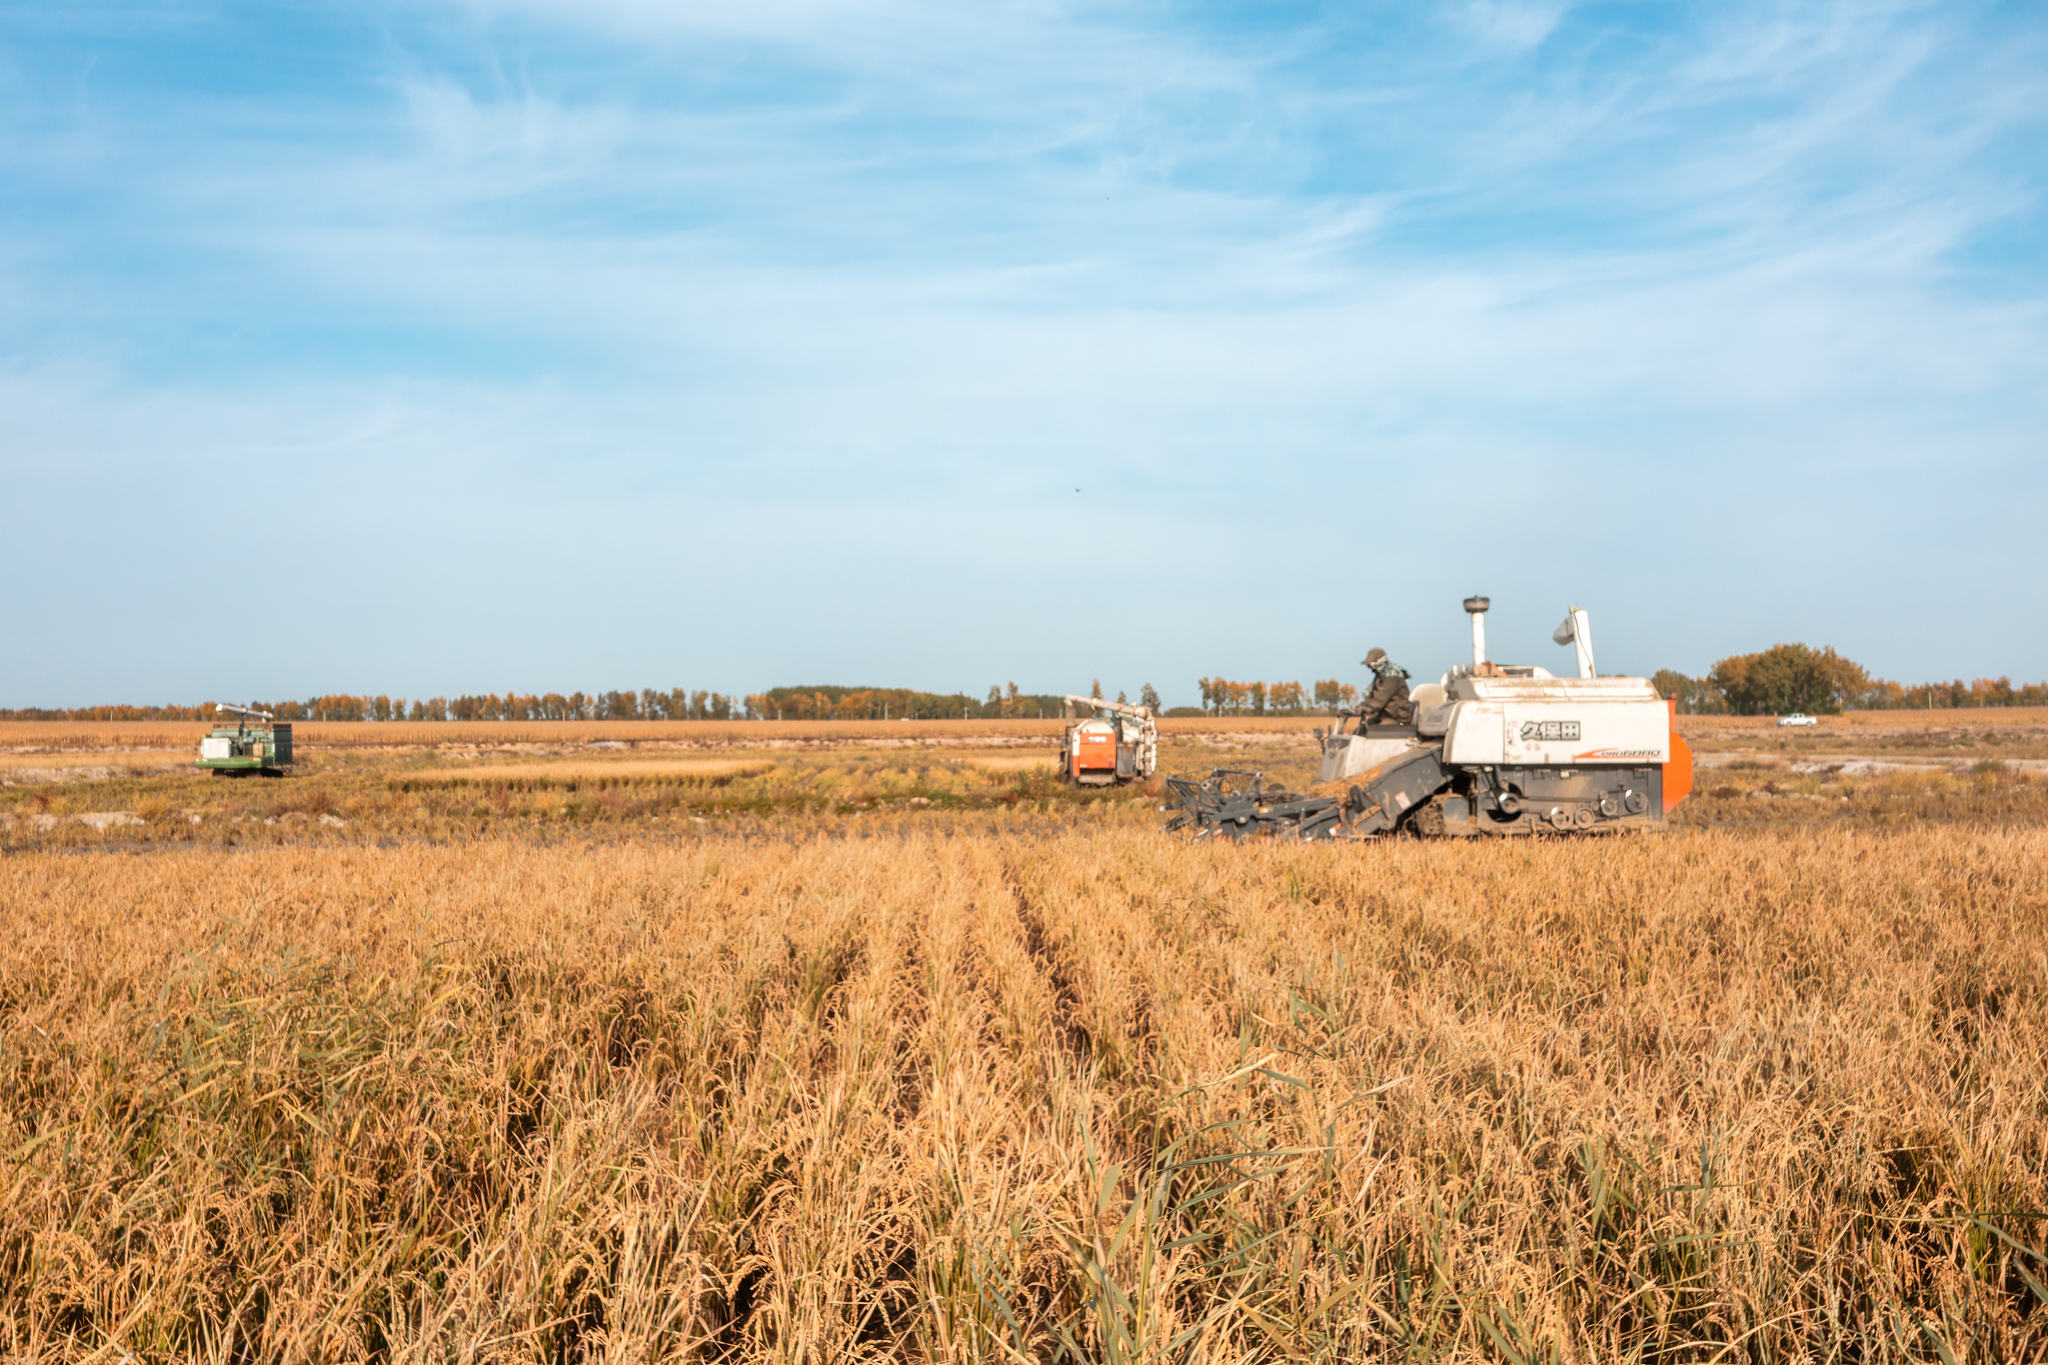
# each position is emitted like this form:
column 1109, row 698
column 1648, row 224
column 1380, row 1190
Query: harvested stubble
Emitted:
column 1094, row 1095
column 126, row 758
column 623, row 772
column 1014, row 763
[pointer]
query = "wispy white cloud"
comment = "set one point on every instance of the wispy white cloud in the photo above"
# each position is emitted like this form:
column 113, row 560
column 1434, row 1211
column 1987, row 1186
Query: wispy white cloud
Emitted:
column 1515, row 25
column 546, row 140
column 749, row 267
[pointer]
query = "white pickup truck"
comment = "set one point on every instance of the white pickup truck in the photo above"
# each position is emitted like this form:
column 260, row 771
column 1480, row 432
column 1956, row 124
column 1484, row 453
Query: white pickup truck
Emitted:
column 1799, row 718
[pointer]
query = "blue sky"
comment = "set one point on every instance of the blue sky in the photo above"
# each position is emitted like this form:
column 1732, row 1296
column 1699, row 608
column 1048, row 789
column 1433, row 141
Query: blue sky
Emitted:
column 428, row 347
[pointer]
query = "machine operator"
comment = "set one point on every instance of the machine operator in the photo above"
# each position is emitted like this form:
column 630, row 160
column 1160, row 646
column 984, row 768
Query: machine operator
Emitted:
column 1387, row 703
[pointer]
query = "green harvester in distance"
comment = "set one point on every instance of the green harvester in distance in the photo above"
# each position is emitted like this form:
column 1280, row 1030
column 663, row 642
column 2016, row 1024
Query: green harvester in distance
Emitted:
column 246, row 747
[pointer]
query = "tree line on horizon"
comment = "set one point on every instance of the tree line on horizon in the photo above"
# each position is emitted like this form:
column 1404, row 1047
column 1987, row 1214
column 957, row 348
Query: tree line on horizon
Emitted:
column 647, row 704
column 817, row 702
column 835, row 702
column 1223, row 697
column 1774, row 681
column 1796, row 677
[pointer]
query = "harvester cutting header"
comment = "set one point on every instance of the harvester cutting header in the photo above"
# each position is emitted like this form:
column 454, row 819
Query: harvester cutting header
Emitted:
column 1490, row 749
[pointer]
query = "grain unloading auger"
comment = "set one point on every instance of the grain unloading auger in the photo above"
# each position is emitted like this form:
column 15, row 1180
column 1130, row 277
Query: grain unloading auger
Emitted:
column 1494, row 750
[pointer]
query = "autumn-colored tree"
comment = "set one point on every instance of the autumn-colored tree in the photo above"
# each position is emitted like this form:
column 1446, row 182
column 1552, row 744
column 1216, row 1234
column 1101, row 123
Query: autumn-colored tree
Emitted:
column 1694, row 695
column 1788, row 678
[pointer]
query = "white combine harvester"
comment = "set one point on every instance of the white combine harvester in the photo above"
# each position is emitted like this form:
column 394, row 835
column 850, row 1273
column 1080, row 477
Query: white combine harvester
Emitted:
column 1495, row 749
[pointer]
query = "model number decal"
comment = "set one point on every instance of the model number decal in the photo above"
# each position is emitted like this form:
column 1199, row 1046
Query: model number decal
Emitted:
column 1540, row 730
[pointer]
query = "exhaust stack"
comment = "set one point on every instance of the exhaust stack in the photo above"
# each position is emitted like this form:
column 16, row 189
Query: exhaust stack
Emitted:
column 1477, row 607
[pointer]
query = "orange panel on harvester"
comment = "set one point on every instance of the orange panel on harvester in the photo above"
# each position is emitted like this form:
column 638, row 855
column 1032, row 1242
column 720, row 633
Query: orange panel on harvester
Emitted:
column 1094, row 751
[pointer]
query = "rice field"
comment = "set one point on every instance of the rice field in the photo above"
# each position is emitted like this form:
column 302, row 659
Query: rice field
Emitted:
column 46, row 736
column 2018, row 732
column 864, row 1053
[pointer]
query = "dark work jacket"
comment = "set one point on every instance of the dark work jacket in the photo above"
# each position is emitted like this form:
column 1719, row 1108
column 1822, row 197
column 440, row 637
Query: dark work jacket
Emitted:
column 1387, row 703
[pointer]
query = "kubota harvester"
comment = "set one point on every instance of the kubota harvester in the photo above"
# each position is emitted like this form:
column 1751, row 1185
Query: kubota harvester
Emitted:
column 1116, row 743
column 1494, row 750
